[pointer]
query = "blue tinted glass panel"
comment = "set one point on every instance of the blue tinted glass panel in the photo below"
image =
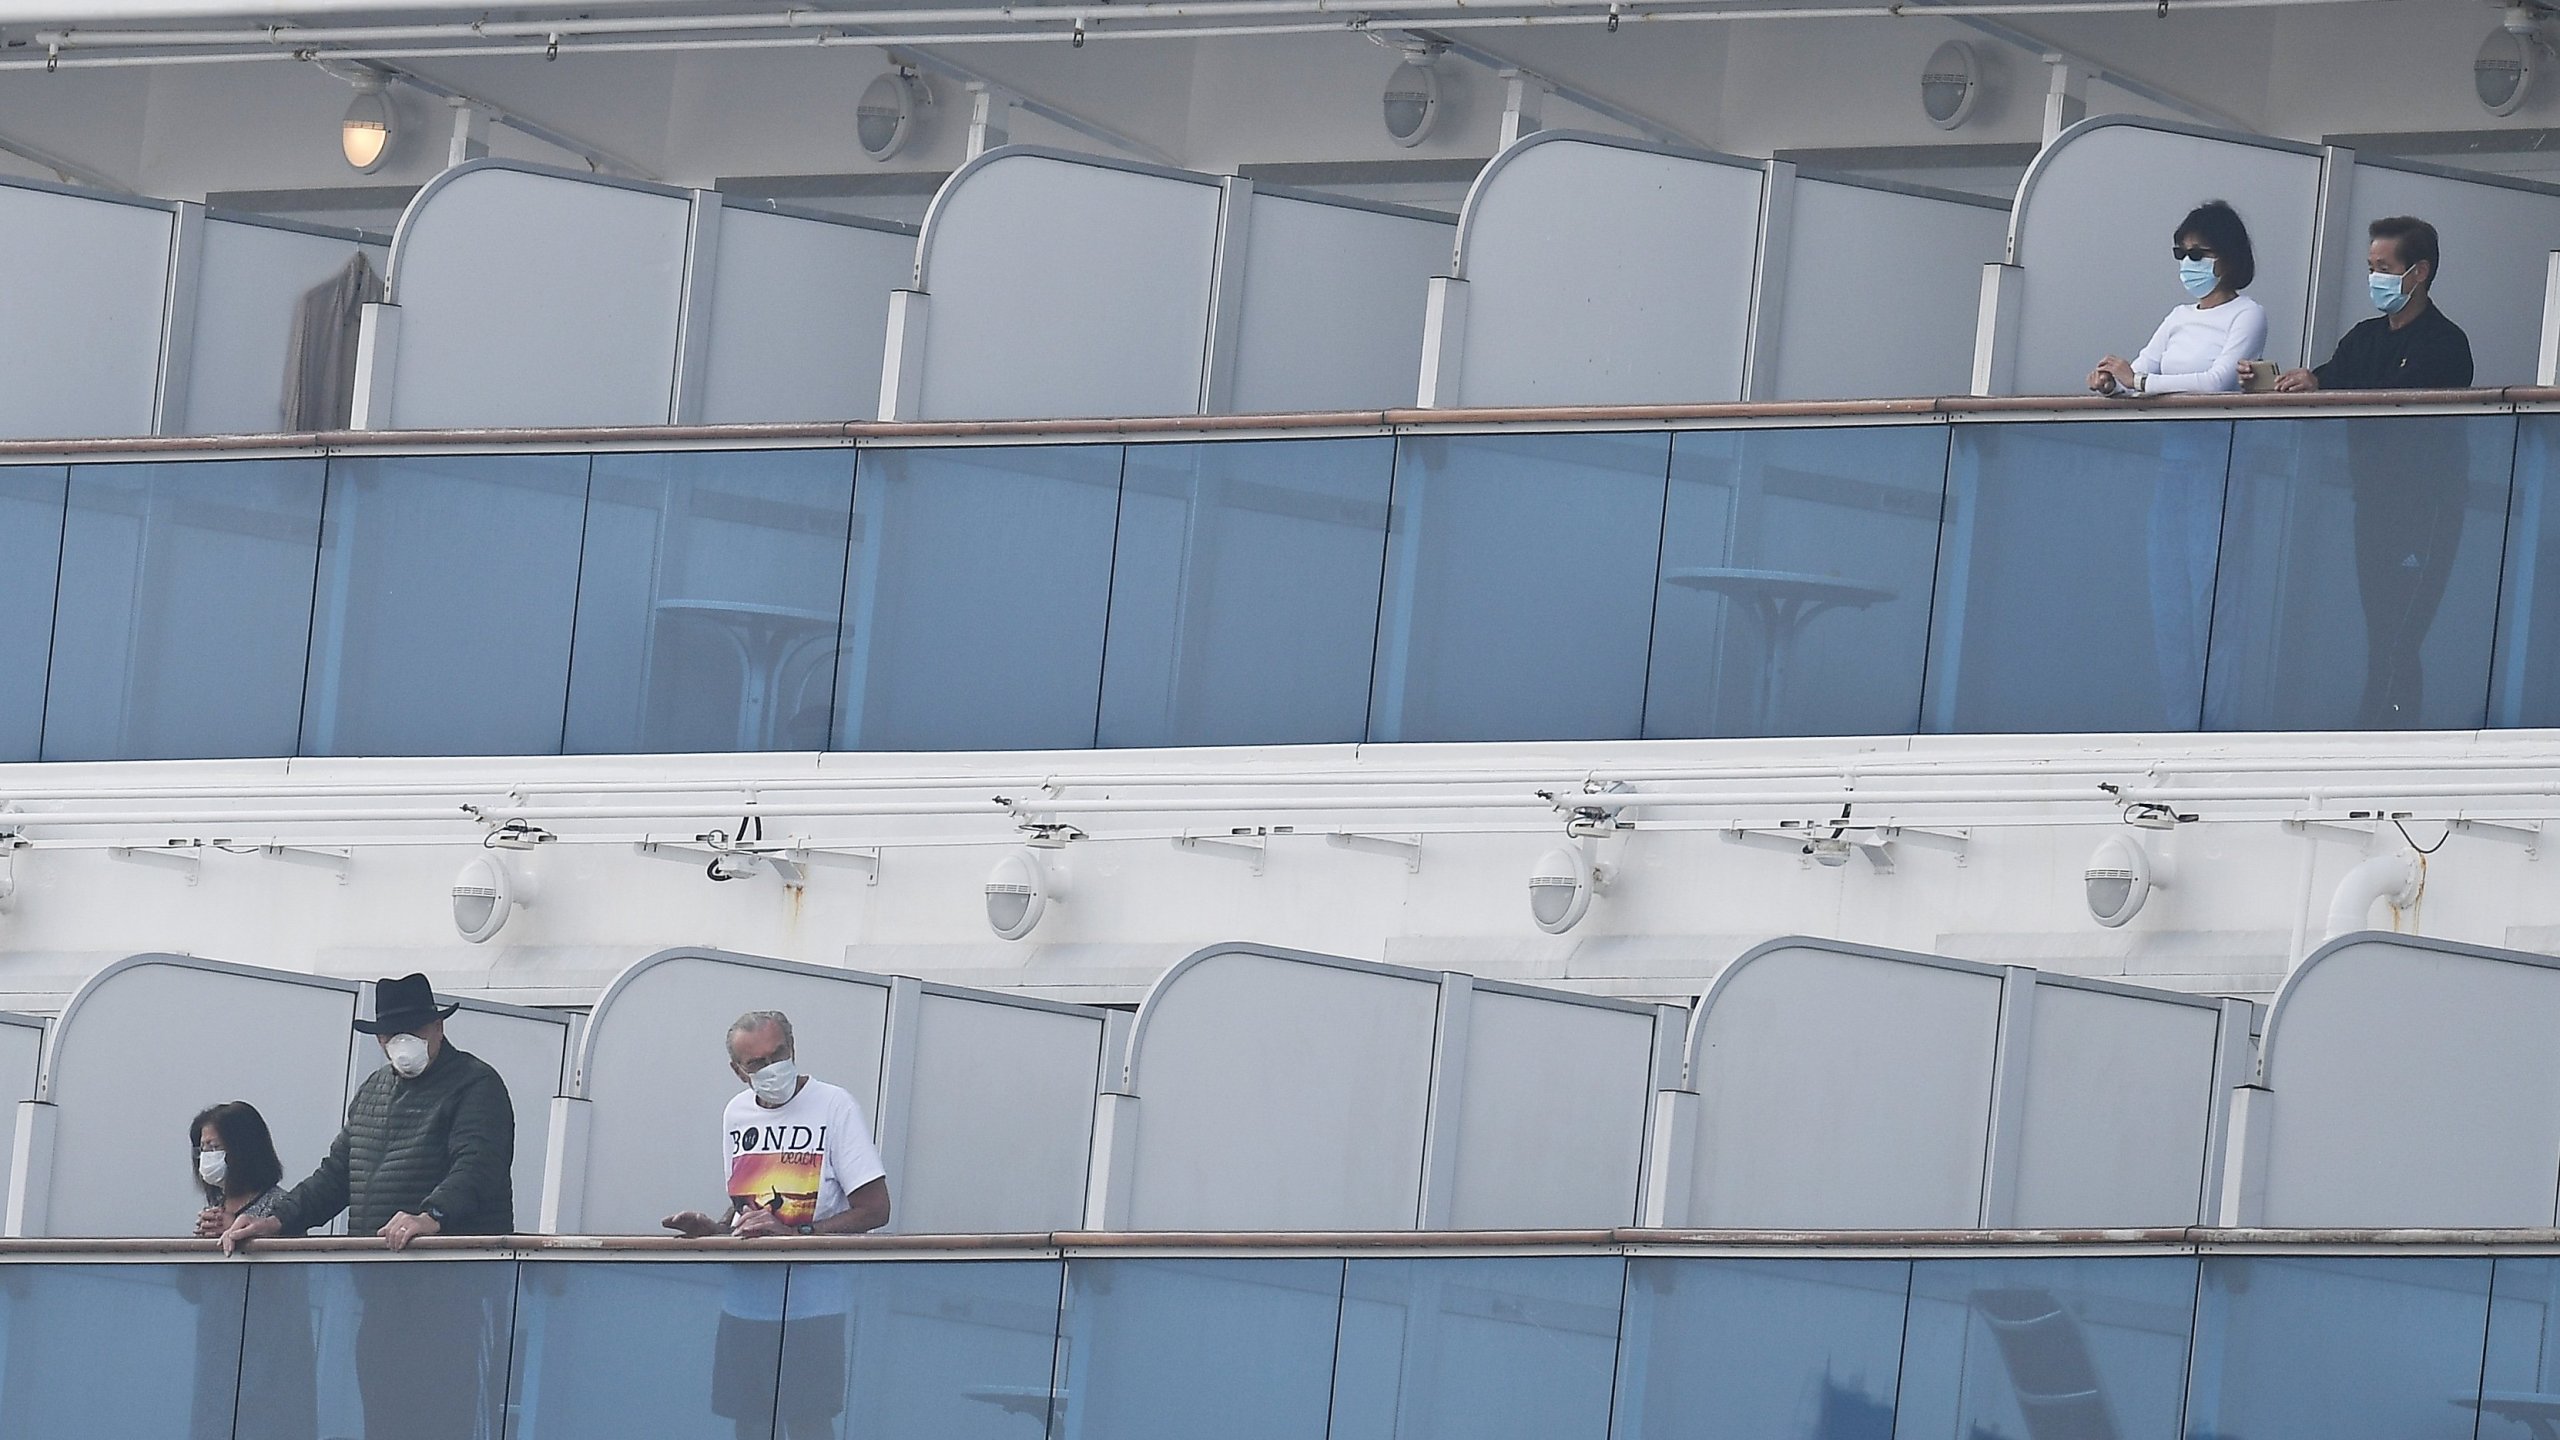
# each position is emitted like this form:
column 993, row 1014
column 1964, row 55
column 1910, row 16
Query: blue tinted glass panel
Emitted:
column 977, row 598
column 2075, row 576
column 606, row 1351
column 2027, row 1349
column 2520, row 1384
column 30, row 556
column 1487, row 1348
column 1519, row 587
column 381, row 1351
column 1796, row 569
column 1771, row 1349
column 1178, row 1349
column 2344, row 1349
column 709, row 600
column 2526, row 686
column 123, row 1350
column 1244, row 596
column 186, row 610
column 2359, row 578
column 447, row 589
column 956, row 1350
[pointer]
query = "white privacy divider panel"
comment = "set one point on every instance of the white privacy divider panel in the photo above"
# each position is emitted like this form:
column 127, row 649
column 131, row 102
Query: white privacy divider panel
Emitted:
column 1878, row 293
column 798, row 305
column 1594, row 270
column 2496, row 235
column 2089, row 241
column 529, row 296
column 1839, row 1086
column 249, row 289
column 2407, row 1081
column 83, row 311
column 1331, row 296
column 1059, row 285
column 21, row 1052
column 530, row 1049
column 982, row 1103
column 1270, row 1089
column 107, row 1133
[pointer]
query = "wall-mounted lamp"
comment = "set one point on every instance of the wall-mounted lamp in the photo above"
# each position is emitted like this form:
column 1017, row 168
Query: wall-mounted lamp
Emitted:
column 2119, row 878
column 1562, row 886
column 365, row 135
column 486, row 892
column 1022, row 887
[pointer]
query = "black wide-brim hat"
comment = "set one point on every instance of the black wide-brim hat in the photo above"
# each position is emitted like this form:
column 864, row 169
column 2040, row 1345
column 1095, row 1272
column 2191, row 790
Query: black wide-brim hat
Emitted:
column 402, row 1005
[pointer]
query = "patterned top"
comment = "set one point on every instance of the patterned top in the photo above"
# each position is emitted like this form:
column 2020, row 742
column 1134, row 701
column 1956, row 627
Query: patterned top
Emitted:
column 265, row 1206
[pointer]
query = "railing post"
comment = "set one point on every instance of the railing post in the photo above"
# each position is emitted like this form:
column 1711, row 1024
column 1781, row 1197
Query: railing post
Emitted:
column 30, row 1208
column 693, row 309
column 902, row 366
column 179, row 302
column 894, row 1124
column 1115, row 1153
column 564, row 1167
column 1767, row 328
column 1674, row 1153
column 2546, row 364
column 1997, row 1207
column 1226, row 296
column 1995, row 331
column 2334, row 254
column 377, row 366
column 1436, row 1197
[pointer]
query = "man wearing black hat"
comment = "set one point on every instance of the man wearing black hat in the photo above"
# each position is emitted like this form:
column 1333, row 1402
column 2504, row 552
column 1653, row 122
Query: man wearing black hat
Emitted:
column 428, row 1148
column 430, row 1140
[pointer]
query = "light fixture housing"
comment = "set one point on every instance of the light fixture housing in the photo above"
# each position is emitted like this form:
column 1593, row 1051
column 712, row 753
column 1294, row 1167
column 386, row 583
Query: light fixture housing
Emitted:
column 365, row 135
column 2119, row 879
column 2502, row 73
column 1020, row 890
column 485, row 894
column 1411, row 104
column 1562, row 886
column 886, row 118
column 1950, row 84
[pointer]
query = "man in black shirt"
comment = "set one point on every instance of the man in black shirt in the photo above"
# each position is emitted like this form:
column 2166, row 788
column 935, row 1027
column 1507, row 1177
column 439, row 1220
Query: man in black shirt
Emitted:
column 2411, row 477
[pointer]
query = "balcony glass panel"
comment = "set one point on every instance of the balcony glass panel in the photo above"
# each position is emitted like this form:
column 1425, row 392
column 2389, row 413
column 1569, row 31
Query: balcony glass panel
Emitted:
column 448, row 585
column 379, row 1350
column 2525, row 690
column 1772, row 1349
column 709, row 601
column 956, row 1350
column 185, row 612
column 1796, row 573
column 30, row 564
column 2340, row 1348
column 121, row 1350
column 1519, row 587
column 1179, row 1349
column 977, row 598
column 2520, row 1383
column 2075, row 576
column 2027, row 1349
column 2359, row 577
column 1244, row 594
column 1485, row 1348
column 678, row 1351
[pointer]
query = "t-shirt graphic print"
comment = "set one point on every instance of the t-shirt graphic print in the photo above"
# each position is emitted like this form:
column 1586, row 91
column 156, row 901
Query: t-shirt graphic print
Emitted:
column 782, row 1181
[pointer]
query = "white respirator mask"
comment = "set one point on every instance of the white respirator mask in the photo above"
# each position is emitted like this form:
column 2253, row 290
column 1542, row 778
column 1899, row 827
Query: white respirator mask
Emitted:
column 213, row 1167
column 776, row 1082
column 407, row 1054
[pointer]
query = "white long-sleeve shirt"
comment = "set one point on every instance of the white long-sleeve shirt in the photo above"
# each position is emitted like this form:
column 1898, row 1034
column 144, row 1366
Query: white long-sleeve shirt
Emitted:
column 2201, row 350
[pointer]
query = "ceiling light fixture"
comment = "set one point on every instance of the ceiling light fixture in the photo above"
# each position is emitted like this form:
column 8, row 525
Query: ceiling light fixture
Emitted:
column 365, row 135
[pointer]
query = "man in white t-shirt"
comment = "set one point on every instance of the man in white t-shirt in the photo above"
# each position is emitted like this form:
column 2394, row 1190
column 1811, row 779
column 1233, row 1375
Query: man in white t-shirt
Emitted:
column 798, row 1159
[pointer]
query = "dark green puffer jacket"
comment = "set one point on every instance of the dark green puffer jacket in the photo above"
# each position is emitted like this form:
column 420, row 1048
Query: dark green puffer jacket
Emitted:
column 446, row 1138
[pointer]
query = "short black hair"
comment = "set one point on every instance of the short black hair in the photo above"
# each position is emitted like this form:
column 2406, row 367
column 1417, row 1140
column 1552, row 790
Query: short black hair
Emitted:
column 2412, row 239
column 2218, row 225
column 248, row 1148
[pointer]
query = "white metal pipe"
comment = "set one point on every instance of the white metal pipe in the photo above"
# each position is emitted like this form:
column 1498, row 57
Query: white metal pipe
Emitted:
column 2393, row 878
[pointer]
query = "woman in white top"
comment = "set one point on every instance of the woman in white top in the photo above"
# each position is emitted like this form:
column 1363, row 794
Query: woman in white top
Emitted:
column 2200, row 346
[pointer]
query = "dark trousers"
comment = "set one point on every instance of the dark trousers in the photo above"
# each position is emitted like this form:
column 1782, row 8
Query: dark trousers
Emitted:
column 419, row 1348
column 2408, row 526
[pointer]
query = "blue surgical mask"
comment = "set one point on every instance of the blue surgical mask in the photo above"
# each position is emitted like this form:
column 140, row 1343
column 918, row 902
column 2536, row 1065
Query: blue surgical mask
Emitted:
column 2389, row 291
column 2198, row 277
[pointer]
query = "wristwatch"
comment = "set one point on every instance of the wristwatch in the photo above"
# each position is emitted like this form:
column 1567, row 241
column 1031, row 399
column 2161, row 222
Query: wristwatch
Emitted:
column 435, row 1213
column 804, row 1229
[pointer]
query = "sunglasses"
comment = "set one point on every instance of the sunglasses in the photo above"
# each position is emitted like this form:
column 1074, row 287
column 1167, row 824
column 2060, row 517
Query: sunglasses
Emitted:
column 2192, row 252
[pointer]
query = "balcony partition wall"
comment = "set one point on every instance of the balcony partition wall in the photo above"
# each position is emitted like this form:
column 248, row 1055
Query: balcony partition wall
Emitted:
column 1862, row 574
column 1558, row 1337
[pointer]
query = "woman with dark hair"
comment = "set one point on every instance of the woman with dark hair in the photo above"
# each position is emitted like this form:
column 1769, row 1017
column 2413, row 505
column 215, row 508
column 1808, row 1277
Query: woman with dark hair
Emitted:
column 2200, row 346
column 235, row 1162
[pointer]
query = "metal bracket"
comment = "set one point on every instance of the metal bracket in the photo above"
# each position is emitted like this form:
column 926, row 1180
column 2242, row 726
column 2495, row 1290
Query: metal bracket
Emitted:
column 1958, row 843
column 1594, row 812
column 338, row 862
column 866, row 859
column 1407, row 848
column 2359, row 832
column 178, row 855
column 1249, row 845
column 10, row 845
column 2526, row 833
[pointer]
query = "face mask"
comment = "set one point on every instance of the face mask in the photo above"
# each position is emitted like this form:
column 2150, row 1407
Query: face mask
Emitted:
column 776, row 1082
column 407, row 1053
column 212, row 1166
column 2198, row 277
column 2389, row 292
